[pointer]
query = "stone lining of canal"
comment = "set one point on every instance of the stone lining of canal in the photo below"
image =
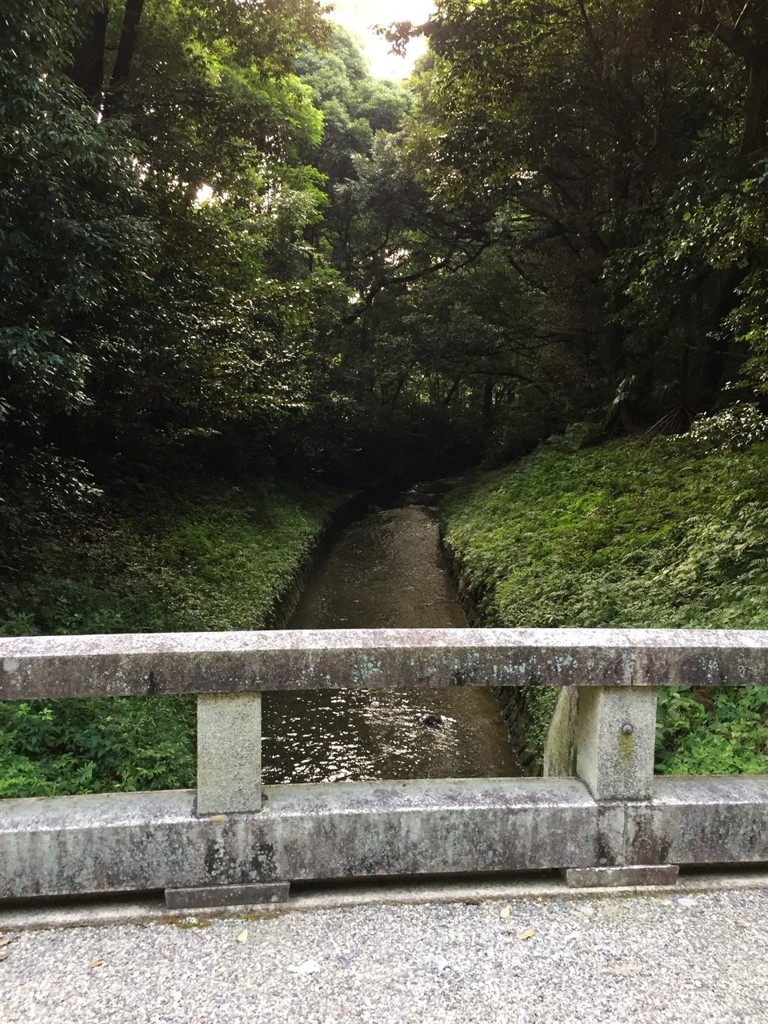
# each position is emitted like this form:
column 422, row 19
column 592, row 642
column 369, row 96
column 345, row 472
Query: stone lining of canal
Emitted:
column 385, row 570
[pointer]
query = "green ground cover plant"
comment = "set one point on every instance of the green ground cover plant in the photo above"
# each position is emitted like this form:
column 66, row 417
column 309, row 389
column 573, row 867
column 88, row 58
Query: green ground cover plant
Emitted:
column 667, row 533
column 221, row 561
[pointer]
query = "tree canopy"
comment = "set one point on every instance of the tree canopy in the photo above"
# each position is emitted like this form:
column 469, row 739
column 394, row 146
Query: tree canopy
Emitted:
column 225, row 244
column 630, row 139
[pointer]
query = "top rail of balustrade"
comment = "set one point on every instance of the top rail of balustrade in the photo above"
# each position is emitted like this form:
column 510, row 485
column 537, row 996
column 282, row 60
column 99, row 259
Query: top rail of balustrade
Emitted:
column 167, row 663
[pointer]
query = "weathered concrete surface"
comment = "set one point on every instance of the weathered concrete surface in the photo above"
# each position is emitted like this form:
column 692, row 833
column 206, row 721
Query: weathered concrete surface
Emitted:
column 615, row 742
column 701, row 820
column 228, row 753
column 541, row 886
column 140, row 842
column 227, row 896
column 560, row 746
column 154, row 841
column 121, row 665
column 636, row 875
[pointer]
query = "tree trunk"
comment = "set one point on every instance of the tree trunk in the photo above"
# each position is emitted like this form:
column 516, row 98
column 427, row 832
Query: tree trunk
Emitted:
column 722, row 286
column 488, row 404
column 452, row 391
column 88, row 59
column 121, row 72
column 755, row 109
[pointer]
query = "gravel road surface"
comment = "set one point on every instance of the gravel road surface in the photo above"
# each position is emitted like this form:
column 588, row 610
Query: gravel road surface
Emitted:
column 668, row 959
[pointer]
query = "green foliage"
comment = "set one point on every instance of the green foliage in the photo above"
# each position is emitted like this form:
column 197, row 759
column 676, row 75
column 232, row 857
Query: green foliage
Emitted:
column 653, row 535
column 629, row 138
column 138, row 314
column 221, row 562
column 173, row 569
column 738, row 426
column 72, row 234
column 712, row 733
column 210, row 98
column 354, row 105
column 96, row 746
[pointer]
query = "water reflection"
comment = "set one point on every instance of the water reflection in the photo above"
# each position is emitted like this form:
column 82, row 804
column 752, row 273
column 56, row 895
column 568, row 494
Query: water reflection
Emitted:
column 385, row 570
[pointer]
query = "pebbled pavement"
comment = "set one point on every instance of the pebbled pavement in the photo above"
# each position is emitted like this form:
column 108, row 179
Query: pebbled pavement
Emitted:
column 667, row 959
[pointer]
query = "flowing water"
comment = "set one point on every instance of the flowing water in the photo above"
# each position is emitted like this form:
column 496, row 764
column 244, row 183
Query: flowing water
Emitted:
column 385, row 570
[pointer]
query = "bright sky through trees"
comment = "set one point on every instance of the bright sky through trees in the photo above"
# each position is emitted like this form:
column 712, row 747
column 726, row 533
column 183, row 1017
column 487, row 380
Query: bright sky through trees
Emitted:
column 359, row 15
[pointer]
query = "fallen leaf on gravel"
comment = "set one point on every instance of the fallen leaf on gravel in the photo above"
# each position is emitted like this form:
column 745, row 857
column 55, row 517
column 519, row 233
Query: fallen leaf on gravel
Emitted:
column 308, row 967
column 96, row 963
column 242, row 936
column 527, row 934
column 5, row 942
column 505, row 912
column 472, row 901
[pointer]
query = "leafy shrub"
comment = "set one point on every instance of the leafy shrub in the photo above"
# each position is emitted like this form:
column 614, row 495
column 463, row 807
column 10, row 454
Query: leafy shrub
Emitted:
column 732, row 429
column 220, row 562
column 668, row 534
column 712, row 733
column 86, row 746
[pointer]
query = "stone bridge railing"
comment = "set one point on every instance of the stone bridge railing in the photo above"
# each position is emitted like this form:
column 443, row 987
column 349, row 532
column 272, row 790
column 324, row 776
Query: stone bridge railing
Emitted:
column 233, row 841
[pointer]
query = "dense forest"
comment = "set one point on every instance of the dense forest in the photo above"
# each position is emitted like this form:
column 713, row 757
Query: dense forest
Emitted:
column 223, row 242
column 237, row 272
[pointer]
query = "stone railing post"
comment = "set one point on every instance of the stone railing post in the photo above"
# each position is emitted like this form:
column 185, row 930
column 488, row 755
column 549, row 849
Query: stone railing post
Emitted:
column 228, row 753
column 615, row 738
column 616, row 741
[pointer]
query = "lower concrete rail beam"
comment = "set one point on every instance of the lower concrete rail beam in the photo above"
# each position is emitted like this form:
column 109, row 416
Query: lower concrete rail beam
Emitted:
column 146, row 841
column 701, row 820
column 154, row 841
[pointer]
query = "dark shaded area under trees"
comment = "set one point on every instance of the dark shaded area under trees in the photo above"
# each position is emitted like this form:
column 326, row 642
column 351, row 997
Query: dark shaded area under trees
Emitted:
column 225, row 248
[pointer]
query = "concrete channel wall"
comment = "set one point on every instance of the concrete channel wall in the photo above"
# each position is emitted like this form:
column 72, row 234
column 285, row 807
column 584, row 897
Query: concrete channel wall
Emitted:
column 350, row 508
column 232, row 840
column 513, row 702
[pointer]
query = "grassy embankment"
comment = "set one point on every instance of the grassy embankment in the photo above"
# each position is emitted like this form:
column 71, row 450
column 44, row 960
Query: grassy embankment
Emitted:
column 664, row 534
column 222, row 561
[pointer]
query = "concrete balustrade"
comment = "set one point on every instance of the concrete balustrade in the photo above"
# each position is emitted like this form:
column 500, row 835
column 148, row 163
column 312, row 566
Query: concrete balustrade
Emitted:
column 229, row 841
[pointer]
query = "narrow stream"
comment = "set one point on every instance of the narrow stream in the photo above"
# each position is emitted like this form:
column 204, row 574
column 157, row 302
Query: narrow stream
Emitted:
column 385, row 570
